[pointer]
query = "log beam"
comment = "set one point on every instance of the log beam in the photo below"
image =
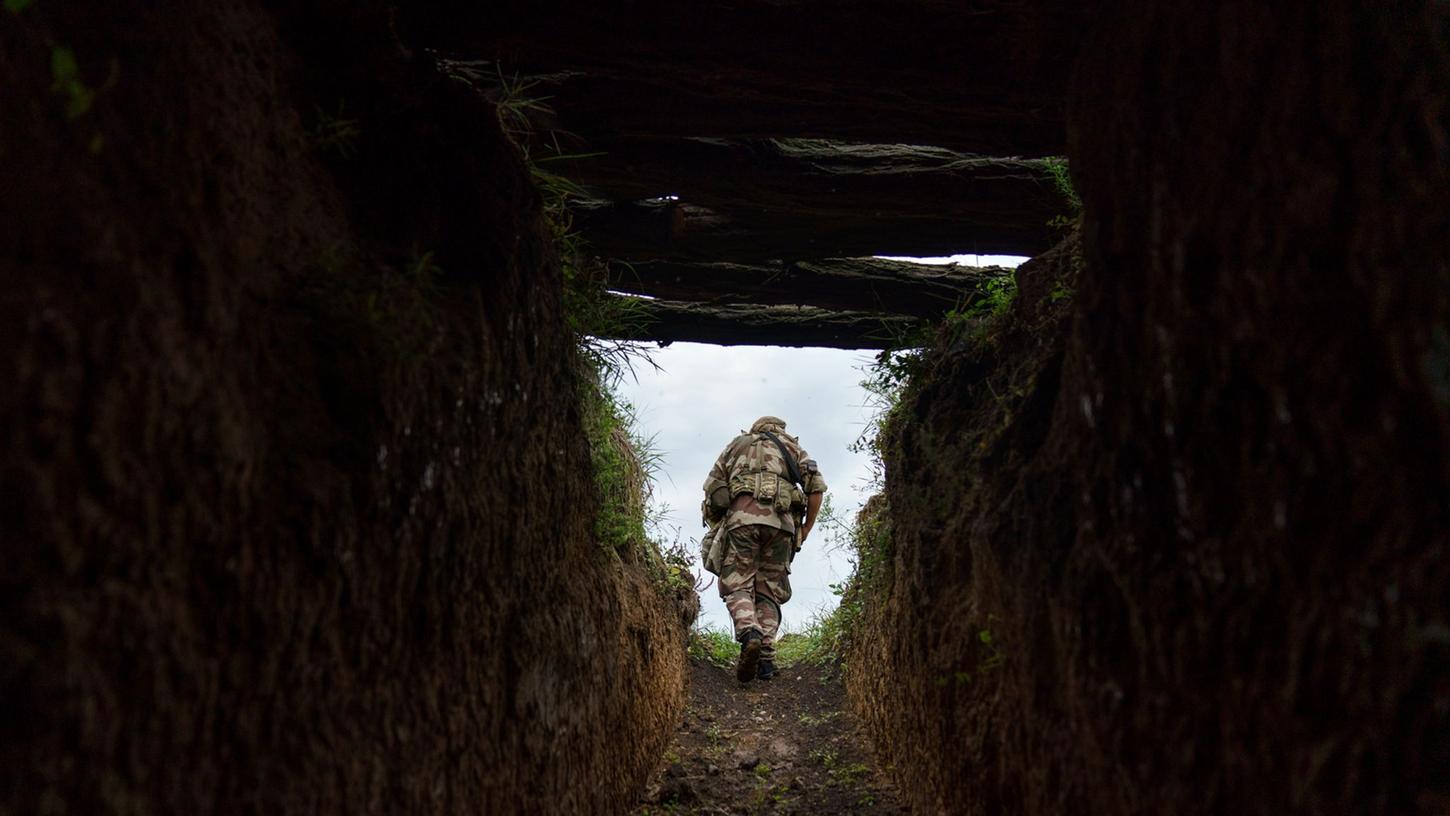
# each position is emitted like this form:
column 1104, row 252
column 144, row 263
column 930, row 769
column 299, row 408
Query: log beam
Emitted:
column 839, row 284
column 742, row 325
column 824, row 179
column 983, row 77
column 657, row 230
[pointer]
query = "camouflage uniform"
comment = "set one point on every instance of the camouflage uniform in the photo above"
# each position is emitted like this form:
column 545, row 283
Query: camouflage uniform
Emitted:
column 758, row 528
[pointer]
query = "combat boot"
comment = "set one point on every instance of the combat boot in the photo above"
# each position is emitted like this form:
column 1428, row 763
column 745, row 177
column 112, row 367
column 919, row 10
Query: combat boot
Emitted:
column 765, row 670
column 749, row 659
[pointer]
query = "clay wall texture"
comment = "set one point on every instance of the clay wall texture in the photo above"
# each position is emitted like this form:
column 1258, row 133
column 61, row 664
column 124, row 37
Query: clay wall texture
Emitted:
column 1210, row 542
column 292, row 525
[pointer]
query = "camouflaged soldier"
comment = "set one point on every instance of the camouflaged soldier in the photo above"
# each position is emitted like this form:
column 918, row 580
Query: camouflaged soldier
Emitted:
column 757, row 492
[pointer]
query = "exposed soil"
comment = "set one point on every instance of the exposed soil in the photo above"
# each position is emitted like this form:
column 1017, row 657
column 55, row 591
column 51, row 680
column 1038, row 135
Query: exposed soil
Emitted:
column 787, row 745
column 1185, row 549
column 269, row 478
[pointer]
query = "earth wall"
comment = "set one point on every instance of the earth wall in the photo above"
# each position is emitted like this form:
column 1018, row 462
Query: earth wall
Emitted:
column 294, row 466
column 1186, row 549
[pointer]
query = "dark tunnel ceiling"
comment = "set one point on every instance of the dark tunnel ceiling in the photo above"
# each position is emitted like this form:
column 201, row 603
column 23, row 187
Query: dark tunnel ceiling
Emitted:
column 800, row 138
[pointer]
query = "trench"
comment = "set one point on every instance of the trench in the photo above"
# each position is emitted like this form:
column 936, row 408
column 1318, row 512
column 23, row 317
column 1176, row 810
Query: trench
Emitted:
column 315, row 498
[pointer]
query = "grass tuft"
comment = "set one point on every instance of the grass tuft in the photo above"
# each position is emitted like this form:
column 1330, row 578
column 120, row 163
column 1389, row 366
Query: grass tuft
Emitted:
column 592, row 315
column 624, row 462
column 1057, row 168
column 713, row 645
column 334, row 133
column 1061, row 175
column 627, row 522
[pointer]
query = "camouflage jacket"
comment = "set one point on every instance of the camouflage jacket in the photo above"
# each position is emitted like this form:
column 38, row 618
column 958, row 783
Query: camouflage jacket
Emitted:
column 752, row 469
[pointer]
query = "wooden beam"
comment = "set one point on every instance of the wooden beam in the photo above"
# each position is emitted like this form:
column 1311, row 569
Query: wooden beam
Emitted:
column 740, row 325
column 674, row 105
column 824, row 179
column 838, row 284
column 656, row 230
column 982, row 77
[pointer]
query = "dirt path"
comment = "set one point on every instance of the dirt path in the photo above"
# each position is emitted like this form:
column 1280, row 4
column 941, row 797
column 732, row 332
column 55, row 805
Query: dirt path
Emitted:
column 784, row 746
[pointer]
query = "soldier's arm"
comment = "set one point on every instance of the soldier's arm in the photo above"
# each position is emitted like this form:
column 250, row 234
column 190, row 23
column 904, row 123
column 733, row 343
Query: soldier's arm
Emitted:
column 813, row 507
column 815, row 487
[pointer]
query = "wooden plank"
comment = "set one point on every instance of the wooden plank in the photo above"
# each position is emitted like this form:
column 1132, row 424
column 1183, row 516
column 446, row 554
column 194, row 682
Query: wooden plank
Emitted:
column 982, row 77
column 743, row 325
column 659, row 230
column 823, row 178
column 839, row 284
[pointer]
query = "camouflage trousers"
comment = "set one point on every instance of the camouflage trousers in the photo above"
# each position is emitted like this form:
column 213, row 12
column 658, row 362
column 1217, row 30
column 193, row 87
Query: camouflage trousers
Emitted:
column 755, row 580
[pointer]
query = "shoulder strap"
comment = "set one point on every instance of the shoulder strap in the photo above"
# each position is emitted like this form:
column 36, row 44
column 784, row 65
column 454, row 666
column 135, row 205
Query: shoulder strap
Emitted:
column 791, row 468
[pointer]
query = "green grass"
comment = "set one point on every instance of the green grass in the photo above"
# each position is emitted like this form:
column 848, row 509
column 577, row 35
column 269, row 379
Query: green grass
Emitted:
column 812, row 720
column 66, row 81
column 822, row 642
column 828, row 758
column 1058, row 169
column 624, row 462
column 826, row 639
column 713, row 645
column 624, row 465
column 889, row 377
column 335, row 133
column 592, row 315
column 849, row 774
column 978, row 318
column 997, row 297
column 619, row 473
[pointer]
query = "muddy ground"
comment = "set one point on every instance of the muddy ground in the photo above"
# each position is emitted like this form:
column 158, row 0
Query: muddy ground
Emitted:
column 783, row 746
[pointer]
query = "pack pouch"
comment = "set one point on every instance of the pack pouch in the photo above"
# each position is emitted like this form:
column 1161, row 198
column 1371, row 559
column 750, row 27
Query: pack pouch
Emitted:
column 784, row 496
column 765, row 486
column 710, row 514
column 712, row 550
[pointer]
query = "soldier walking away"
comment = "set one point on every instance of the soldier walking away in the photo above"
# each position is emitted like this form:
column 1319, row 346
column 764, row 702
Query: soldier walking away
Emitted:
column 761, row 500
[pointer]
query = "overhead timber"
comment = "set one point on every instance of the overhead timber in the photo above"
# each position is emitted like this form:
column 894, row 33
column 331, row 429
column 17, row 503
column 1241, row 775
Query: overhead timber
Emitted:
column 838, row 284
column 979, row 77
column 826, row 179
column 746, row 325
column 727, row 155
column 656, row 230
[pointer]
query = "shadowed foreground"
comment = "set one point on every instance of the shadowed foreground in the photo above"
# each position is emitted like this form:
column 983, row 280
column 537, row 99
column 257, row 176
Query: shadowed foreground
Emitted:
column 783, row 746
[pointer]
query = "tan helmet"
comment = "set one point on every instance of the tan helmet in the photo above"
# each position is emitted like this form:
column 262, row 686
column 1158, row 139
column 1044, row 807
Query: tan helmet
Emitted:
column 768, row 423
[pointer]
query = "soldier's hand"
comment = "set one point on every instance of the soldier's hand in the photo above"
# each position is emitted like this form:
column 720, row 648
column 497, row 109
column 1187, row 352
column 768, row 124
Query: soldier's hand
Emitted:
column 805, row 532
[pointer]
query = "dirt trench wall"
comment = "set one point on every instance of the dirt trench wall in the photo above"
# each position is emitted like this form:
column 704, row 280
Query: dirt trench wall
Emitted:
column 292, row 524
column 1204, row 565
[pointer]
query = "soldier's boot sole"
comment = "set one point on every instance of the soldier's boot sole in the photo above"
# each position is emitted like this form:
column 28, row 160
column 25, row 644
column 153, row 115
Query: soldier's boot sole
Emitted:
column 749, row 659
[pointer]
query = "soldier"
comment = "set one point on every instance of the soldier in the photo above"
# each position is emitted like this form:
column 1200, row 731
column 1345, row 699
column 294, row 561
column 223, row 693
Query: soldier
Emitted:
column 757, row 491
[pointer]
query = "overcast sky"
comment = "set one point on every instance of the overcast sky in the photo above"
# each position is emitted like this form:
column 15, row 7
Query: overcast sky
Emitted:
column 702, row 396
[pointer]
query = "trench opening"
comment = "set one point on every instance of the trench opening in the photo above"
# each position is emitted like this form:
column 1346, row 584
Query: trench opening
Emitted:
column 790, row 741
column 322, row 492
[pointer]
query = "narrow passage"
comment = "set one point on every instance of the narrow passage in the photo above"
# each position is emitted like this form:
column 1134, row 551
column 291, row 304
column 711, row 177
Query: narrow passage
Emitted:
column 783, row 746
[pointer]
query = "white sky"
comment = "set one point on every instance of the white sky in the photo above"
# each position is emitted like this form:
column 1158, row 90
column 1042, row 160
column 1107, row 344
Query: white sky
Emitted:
column 703, row 395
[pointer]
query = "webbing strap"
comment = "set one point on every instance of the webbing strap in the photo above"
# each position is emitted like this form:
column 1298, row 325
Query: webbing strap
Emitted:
column 792, row 469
